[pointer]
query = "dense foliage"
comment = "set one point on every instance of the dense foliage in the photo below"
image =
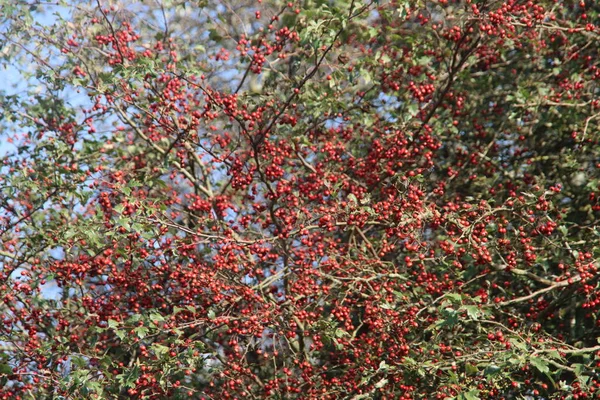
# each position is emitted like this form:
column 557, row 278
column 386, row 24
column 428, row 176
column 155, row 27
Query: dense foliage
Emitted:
column 344, row 199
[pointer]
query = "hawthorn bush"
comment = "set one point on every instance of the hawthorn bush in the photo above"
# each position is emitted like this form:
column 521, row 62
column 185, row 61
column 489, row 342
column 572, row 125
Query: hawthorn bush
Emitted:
column 318, row 199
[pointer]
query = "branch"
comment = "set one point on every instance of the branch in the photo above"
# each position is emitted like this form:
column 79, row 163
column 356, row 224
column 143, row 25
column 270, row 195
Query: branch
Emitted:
column 557, row 285
column 163, row 152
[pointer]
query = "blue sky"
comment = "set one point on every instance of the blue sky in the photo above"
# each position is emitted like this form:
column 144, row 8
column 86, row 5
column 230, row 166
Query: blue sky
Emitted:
column 11, row 82
column 11, row 77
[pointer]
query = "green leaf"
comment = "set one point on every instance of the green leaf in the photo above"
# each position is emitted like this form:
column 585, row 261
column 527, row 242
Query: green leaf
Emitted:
column 128, row 378
column 454, row 297
column 473, row 312
column 211, row 315
column 579, row 369
column 518, row 344
column 94, row 387
column 383, row 366
column 339, row 332
column 409, row 361
column 214, row 35
column 141, row 331
column 540, row 364
column 491, row 370
column 78, row 362
column 5, row 369
column 450, row 318
column 155, row 316
column 113, row 324
column 137, row 227
column 471, row 369
column 159, row 349
column 470, row 395
column 381, row 383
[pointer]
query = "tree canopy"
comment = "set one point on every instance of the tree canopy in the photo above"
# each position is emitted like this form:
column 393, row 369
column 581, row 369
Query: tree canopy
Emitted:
column 317, row 199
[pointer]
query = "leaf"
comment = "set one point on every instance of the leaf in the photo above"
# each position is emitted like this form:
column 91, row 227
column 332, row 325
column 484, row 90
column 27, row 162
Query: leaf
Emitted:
column 383, row 366
column 454, row 297
column 128, row 378
column 453, row 377
column 554, row 354
column 470, row 395
column 5, row 369
column 381, row 383
column 563, row 229
column 450, row 318
column 211, row 315
column 78, row 362
column 137, row 227
column 540, row 364
column 214, row 35
column 94, row 387
column 425, row 60
column 473, row 312
column 579, row 369
column 141, row 331
column 113, row 324
column 491, row 370
column 518, row 344
column 409, row 361
column 159, row 349
column 339, row 332
column 154, row 316
column 471, row 369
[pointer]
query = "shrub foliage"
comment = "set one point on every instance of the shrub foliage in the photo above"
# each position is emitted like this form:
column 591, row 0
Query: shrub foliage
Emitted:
column 308, row 200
